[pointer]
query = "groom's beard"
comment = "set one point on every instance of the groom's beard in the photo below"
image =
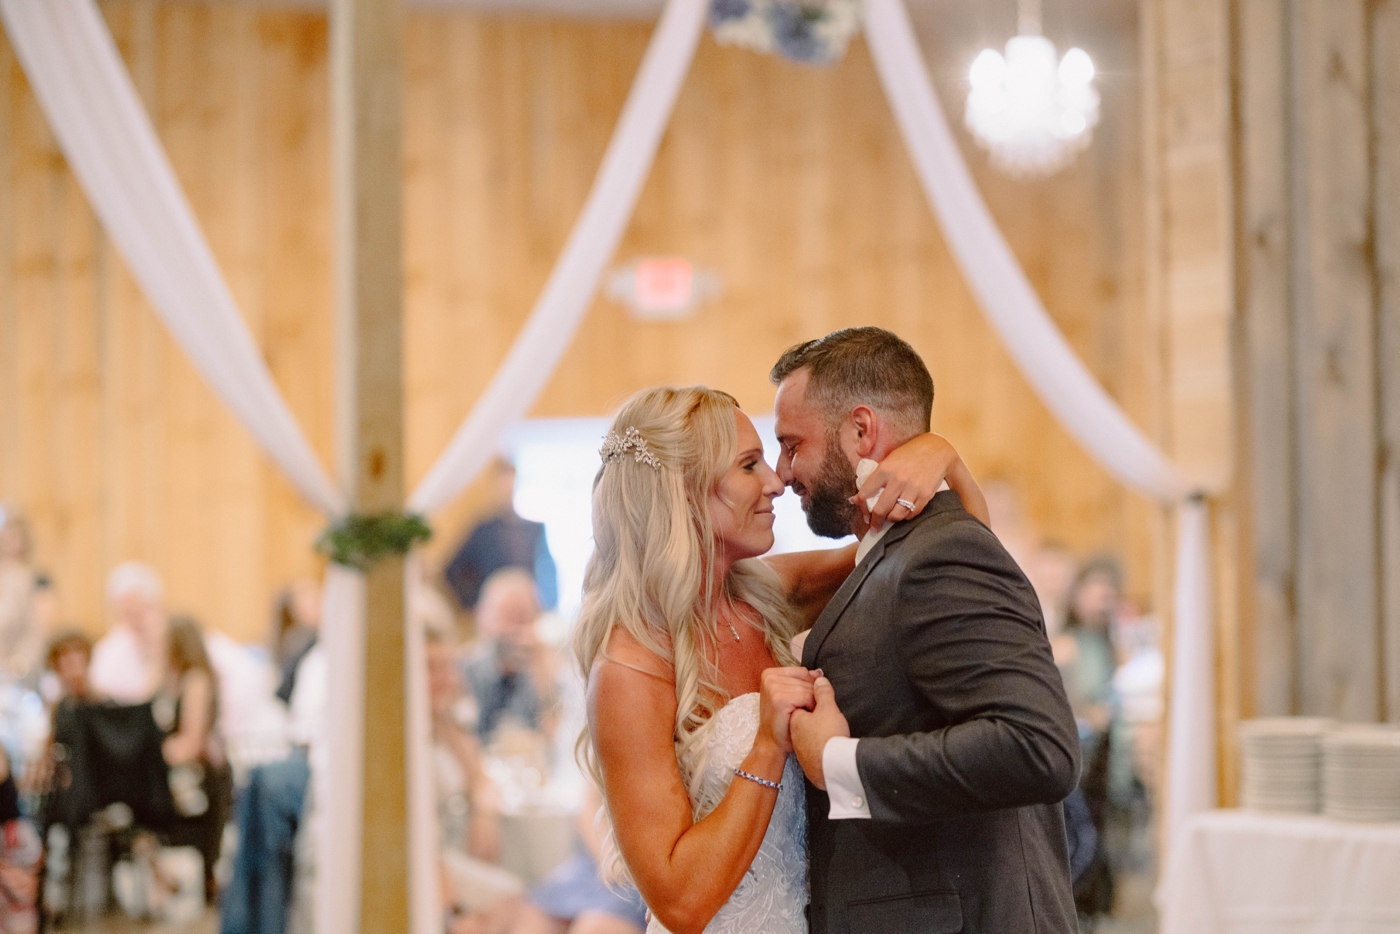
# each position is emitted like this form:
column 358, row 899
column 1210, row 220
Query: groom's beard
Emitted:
column 830, row 512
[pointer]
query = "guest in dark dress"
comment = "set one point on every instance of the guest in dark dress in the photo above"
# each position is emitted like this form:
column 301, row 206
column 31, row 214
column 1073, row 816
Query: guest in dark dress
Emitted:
column 201, row 781
column 505, row 540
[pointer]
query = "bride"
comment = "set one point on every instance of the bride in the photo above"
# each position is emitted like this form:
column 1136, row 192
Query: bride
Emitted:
column 684, row 642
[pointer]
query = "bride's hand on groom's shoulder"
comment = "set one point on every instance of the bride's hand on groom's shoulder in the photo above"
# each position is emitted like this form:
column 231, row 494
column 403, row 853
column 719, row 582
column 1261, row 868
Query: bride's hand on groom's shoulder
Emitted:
column 909, row 476
column 782, row 691
column 911, row 473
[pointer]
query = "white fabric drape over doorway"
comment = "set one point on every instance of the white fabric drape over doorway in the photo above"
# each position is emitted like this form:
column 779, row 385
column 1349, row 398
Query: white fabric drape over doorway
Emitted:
column 1067, row 388
column 98, row 119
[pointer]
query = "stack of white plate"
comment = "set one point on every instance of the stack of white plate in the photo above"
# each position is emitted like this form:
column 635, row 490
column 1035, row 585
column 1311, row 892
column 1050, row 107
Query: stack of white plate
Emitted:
column 1361, row 773
column 1281, row 764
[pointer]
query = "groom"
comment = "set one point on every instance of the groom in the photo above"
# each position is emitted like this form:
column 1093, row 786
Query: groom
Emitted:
column 942, row 742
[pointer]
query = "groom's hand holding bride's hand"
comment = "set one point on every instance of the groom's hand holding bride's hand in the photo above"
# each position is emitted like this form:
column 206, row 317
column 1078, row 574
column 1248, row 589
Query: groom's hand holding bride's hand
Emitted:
column 811, row 729
column 782, row 690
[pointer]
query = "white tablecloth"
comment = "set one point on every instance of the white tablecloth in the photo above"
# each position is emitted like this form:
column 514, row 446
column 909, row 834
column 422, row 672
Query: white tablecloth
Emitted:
column 1240, row 872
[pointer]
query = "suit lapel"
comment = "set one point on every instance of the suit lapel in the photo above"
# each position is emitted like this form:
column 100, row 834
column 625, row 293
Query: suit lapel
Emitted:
column 822, row 627
column 827, row 620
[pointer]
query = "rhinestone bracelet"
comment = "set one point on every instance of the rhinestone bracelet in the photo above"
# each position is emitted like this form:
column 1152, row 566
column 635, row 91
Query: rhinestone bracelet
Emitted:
column 776, row 786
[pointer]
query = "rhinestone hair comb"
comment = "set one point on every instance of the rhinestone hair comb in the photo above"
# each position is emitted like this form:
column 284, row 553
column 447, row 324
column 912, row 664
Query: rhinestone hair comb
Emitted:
column 615, row 446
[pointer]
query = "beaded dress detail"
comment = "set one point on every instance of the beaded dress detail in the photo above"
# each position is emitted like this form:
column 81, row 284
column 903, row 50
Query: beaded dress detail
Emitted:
column 772, row 897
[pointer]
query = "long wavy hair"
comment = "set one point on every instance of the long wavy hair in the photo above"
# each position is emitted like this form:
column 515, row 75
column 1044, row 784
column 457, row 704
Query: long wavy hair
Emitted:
column 650, row 574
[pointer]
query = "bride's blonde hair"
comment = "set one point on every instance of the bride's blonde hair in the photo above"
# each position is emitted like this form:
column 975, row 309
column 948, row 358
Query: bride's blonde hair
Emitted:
column 654, row 546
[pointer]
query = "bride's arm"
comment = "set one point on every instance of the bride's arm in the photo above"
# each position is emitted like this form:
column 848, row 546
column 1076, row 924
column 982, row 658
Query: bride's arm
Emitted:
column 685, row 870
column 811, row 578
column 914, row 471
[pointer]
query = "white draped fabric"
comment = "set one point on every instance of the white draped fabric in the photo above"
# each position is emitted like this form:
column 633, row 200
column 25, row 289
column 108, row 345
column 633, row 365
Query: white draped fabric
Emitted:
column 1004, row 293
column 338, row 790
column 1191, row 783
column 88, row 97
column 86, row 92
column 1067, row 388
column 574, row 281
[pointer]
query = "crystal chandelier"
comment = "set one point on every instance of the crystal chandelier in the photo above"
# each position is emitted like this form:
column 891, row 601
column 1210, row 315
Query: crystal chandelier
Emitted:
column 1032, row 111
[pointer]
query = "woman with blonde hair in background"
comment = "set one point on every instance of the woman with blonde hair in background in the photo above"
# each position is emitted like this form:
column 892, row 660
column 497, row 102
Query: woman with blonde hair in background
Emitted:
column 684, row 640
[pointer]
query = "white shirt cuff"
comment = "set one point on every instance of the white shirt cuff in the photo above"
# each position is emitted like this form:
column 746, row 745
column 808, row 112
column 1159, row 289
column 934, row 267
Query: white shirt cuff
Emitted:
column 843, row 785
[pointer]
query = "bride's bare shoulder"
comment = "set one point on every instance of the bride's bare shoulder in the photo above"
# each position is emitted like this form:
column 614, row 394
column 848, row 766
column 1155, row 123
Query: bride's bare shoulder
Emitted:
column 628, row 673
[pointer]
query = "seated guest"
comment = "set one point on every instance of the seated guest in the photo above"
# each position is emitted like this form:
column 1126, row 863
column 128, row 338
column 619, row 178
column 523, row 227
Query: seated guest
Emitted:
column 68, row 658
column 296, row 620
column 511, row 671
column 20, row 854
column 469, row 821
column 574, row 898
column 128, row 662
column 187, row 710
column 67, row 662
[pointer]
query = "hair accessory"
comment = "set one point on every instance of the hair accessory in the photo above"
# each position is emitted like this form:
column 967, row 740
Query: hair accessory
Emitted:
column 615, row 446
column 776, row 786
column 905, row 503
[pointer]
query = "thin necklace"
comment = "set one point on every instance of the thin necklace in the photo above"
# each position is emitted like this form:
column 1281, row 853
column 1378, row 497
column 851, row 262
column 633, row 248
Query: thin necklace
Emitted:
column 731, row 624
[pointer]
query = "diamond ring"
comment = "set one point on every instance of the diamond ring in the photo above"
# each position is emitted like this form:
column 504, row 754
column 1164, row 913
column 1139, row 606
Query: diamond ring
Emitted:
column 905, row 503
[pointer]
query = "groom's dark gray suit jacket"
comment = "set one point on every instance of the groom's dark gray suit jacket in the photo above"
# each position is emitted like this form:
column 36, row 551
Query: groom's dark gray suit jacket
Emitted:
column 937, row 651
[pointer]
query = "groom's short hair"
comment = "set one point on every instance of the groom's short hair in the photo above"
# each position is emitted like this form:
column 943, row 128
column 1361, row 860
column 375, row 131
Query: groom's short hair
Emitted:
column 863, row 366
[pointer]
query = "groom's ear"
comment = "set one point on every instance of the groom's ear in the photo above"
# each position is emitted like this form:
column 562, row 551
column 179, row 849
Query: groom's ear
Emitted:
column 865, row 425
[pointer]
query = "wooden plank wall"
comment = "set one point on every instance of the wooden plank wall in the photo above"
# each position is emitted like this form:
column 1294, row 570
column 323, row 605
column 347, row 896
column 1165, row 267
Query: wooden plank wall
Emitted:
column 1385, row 124
column 1316, row 172
column 791, row 182
column 1265, row 352
column 1190, row 261
column 1334, row 357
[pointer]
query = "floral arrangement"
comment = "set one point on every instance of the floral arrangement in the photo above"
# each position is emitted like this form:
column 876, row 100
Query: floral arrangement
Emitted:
column 359, row 541
column 813, row 32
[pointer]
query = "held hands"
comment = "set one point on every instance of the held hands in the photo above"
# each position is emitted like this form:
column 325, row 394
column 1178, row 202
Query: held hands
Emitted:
column 811, row 729
column 797, row 712
column 782, row 691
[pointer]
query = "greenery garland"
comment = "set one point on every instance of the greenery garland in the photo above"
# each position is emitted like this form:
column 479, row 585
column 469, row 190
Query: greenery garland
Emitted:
column 360, row 541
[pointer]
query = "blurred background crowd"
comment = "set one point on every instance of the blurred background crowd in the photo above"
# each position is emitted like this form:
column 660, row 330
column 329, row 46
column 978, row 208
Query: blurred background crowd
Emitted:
column 164, row 769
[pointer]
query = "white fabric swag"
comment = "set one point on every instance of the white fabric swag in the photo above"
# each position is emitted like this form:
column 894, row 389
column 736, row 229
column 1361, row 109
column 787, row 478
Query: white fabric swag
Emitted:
column 86, row 92
column 87, row 95
column 573, row 282
column 1067, row 388
column 84, row 89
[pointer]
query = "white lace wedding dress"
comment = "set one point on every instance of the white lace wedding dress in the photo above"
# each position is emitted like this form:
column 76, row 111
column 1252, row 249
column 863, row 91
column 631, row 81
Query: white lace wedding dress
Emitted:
column 773, row 895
